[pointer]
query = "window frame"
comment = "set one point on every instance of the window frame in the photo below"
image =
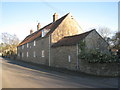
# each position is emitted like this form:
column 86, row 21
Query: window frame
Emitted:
column 69, row 58
column 43, row 53
column 34, row 43
column 34, row 54
column 27, row 54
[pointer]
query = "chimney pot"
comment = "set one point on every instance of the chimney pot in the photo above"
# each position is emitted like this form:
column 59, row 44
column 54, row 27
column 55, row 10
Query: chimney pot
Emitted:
column 55, row 17
column 38, row 26
column 31, row 31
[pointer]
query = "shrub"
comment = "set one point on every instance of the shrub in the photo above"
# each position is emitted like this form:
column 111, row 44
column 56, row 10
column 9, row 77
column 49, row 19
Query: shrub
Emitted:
column 98, row 57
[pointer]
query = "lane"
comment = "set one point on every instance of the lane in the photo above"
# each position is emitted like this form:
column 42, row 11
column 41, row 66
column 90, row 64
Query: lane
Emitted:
column 21, row 76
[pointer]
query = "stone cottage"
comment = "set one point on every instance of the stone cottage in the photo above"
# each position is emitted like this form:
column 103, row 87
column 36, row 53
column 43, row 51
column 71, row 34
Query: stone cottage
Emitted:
column 56, row 44
column 65, row 52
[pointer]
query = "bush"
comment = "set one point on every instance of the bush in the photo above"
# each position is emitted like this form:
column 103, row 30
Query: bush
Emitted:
column 99, row 57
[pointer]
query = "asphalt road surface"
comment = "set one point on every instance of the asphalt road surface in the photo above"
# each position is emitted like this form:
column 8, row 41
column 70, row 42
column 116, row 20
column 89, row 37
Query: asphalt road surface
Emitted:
column 17, row 74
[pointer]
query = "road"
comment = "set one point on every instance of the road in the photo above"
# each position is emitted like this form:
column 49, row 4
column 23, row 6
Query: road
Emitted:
column 17, row 74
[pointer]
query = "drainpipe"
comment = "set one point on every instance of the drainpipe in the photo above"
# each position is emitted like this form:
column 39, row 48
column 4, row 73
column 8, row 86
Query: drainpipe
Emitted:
column 49, row 48
column 77, row 62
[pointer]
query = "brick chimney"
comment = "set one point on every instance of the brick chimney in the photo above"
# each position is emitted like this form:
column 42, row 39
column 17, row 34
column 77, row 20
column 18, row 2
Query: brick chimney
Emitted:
column 38, row 26
column 55, row 17
column 31, row 31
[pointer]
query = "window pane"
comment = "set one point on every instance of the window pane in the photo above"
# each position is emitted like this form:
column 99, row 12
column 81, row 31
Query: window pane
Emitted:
column 69, row 58
column 43, row 53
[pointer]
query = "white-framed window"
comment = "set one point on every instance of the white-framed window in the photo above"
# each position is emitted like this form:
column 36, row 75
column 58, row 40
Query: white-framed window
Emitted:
column 18, row 54
column 22, row 46
column 34, row 43
column 27, row 45
column 43, row 33
column 69, row 58
column 34, row 54
column 22, row 54
column 27, row 54
column 43, row 53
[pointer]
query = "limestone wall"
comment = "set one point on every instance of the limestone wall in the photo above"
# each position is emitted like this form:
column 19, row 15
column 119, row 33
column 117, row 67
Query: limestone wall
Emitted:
column 100, row 69
column 60, row 57
column 35, row 52
column 95, row 41
column 68, row 27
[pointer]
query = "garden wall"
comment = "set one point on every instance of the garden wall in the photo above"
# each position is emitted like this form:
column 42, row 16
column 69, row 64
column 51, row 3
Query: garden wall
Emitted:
column 100, row 69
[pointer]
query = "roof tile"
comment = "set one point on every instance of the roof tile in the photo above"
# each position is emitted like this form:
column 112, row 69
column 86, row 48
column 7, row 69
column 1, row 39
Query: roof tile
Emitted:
column 52, row 26
column 71, row 40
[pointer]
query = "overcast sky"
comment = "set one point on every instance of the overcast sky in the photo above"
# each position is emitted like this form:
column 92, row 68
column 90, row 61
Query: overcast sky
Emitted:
column 19, row 17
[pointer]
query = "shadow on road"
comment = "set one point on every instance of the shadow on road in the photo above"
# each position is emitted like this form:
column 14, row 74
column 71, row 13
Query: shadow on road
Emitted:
column 58, row 72
column 45, row 68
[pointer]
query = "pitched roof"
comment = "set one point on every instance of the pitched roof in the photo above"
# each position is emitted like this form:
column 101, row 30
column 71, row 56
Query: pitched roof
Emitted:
column 71, row 40
column 52, row 26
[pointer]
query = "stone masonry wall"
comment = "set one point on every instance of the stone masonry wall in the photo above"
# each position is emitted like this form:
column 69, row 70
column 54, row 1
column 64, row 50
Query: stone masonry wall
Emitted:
column 95, row 41
column 60, row 57
column 99, row 69
column 42, row 45
column 68, row 27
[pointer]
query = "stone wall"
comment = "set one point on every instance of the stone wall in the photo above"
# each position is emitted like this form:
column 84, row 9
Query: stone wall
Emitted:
column 60, row 57
column 68, row 27
column 66, row 56
column 95, row 41
column 99, row 69
column 41, row 47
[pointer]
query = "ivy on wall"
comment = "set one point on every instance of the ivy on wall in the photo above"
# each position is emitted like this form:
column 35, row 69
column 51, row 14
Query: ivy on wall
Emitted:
column 81, row 46
column 95, row 56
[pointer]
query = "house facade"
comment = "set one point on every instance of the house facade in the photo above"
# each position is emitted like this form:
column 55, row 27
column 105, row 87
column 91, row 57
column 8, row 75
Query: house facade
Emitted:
column 56, row 44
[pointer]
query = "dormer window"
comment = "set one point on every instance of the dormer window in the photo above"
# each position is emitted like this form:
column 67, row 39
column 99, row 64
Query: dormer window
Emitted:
column 34, row 43
column 44, row 32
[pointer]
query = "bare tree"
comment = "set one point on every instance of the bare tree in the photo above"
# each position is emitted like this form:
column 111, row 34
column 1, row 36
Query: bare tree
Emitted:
column 10, row 39
column 104, row 32
column 116, row 40
column 9, row 43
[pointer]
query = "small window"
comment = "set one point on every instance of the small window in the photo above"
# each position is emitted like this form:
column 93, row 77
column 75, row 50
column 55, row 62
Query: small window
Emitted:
column 34, row 54
column 22, row 54
column 43, row 33
column 69, row 58
column 43, row 53
column 18, row 54
column 34, row 43
column 27, row 45
column 27, row 54
column 22, row 46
